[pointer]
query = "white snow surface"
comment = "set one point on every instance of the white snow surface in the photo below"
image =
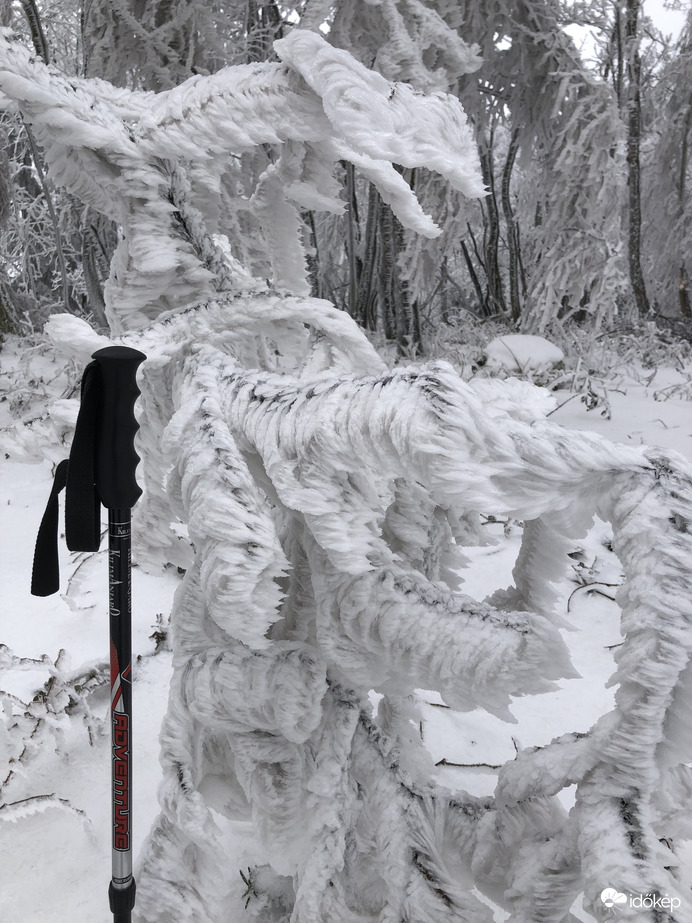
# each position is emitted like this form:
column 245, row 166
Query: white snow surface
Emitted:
column 522, row 352
column 54, row 818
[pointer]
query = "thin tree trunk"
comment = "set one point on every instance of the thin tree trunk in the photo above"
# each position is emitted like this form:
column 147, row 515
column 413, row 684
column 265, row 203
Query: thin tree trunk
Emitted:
column 619, row 69
column 495, row 297
column 36, row 29
column 59, row 253
column 93, row 256
column 408, row 317
column 512, row 228
column 634, row 108
column 474, row 277
column 444, row 298
column 386, row 272
column 684, row 156
column 366, row 315
column 354, row 262
column 475, row 246
column 384, row 245
column 313, row 259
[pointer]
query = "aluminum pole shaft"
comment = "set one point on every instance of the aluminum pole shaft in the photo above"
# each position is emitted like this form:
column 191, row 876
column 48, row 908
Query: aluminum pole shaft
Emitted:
column 122, row 887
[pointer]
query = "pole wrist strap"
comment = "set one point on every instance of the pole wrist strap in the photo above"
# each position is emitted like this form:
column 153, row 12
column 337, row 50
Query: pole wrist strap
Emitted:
column 82, row 504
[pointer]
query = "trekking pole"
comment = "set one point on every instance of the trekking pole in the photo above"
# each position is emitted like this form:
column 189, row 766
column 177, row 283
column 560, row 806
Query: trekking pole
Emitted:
column 101, row 470
column 117, row 488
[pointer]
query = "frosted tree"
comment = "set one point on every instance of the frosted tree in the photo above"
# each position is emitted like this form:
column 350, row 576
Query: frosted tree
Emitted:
column 557, row 183
column 157, row 45
column 45, row 233
column 546, row 239
column 667, row 203
column 391, row 272
column 37, row 243
column 321, row 504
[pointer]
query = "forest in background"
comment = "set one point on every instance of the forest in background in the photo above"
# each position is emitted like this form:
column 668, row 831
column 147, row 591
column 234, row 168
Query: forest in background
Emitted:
column 587, row 218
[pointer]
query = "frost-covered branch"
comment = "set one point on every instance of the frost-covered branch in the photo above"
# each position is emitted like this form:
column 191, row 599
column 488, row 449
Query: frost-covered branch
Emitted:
column 360, row 604
column 328, row 510
column 121, row 152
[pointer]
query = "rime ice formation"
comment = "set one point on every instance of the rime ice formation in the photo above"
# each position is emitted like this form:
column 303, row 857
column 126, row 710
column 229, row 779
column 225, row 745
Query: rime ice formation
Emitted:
column 153, row 162
column 327, row 501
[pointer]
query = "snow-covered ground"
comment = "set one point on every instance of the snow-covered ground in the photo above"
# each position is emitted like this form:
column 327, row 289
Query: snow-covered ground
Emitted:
column 54, row 803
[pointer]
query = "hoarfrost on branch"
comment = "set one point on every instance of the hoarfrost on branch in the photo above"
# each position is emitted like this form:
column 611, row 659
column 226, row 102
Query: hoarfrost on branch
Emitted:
column 327, row 500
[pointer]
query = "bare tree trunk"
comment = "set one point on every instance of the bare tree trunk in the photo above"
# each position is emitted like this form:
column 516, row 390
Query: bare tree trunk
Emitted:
column 474, row 276
column 366, row 310
column 386, row 272
column 313, row 258
column 36, row 28
column 355, row 265
column 616, row 58
column 634, row 129
column 408, row 333
column 96, row 257
column 495, row 297
column 513, row 245
column 684, row 156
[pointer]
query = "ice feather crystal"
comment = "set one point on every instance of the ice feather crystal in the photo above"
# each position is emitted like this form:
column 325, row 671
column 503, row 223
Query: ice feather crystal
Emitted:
column 320, row 504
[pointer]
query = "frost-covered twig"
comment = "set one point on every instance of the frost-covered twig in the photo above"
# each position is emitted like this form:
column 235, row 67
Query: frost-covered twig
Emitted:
column 28, row 727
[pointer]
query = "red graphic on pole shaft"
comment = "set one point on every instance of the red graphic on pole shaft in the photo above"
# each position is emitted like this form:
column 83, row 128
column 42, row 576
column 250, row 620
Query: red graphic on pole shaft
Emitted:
column 121, row 787
column 121, row 756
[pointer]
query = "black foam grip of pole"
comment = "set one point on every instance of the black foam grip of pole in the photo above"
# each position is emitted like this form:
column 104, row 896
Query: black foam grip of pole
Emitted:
column 116, row 459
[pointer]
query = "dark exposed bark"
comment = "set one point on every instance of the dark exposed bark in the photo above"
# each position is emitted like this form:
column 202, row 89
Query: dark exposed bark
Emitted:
column 495, row 299
column 8, row 311
column 513, row 244
column 385, row 274
column 684, row 281
column 95, row 267
column 473, row 274
column 366, row 309
column 263, row 24
column 354, row 261
column 684, row 154
column 175, row 57
column 399, row 313
column 36, row 29
column 476, row 250
column 634, row 131
column 5, row 183
column 378, row 294
column 408, row 332
column 313, row 257
column 615, row 65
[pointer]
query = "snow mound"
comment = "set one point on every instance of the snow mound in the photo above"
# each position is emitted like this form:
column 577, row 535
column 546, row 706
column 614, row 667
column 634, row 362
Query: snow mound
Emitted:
column 519, row 352
column 523, row 400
